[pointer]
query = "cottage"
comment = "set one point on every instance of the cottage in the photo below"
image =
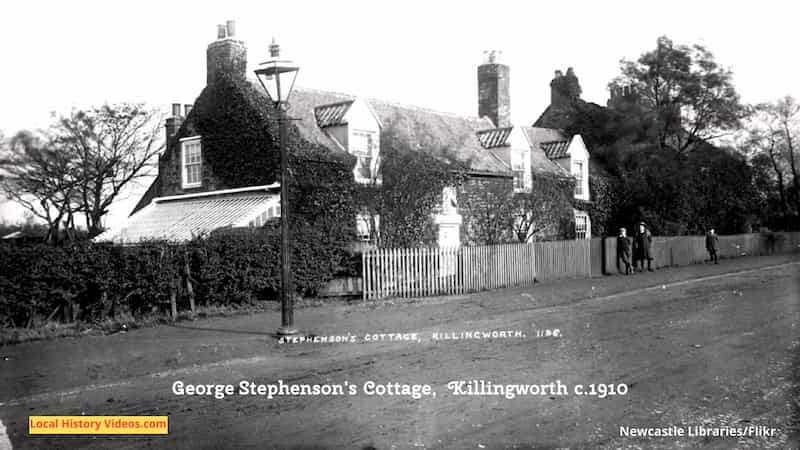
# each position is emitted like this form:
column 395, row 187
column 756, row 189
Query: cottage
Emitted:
column 195, row 193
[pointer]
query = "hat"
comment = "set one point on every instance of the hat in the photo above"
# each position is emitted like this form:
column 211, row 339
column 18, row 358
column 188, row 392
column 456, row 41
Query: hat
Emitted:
column 622, row 229
column 642, row 224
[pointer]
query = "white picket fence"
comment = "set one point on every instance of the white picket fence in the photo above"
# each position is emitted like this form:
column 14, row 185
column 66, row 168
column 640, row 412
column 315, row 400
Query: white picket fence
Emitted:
column 420, row 272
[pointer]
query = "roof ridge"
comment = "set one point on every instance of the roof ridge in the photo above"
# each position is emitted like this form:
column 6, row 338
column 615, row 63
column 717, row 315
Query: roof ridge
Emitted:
column 322, row 91
column 425, row 109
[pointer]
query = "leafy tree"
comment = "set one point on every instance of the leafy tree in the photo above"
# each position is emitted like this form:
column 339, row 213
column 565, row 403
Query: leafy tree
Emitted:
column 687, row 97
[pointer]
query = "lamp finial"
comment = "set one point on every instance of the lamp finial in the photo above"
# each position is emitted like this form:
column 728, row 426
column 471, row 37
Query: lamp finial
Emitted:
column 274, row 49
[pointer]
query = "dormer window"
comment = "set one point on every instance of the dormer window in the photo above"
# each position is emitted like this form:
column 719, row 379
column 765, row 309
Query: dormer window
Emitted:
column 192, row 162
column 362, row 144
column 577, row 172
column 518, row 169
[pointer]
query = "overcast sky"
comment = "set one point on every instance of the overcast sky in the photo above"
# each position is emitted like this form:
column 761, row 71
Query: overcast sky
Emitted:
column 58, row 55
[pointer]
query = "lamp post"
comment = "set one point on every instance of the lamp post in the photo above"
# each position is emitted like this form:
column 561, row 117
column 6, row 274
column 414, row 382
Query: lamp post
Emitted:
column 277, row 77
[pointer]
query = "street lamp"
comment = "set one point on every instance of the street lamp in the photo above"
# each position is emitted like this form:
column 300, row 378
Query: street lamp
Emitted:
column 277, row 77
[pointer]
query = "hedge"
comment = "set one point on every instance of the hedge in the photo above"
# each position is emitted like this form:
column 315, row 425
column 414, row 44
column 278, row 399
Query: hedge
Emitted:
column 87, row 281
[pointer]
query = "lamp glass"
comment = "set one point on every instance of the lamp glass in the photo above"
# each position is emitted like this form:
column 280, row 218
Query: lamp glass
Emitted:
column 277, row 77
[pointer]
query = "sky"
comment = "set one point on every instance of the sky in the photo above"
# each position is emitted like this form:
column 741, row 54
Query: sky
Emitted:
column 60, row 55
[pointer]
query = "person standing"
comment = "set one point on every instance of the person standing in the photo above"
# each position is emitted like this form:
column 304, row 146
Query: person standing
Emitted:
column 712, row 243
column 624, row 251
column 641, row 247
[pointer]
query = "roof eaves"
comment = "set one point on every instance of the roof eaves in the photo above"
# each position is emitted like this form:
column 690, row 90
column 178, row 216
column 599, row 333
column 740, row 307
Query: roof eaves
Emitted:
column 266, row 187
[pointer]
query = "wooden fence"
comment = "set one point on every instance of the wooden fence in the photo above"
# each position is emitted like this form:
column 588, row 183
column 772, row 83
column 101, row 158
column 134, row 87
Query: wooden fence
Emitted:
column 684, row 250
column 419, row 272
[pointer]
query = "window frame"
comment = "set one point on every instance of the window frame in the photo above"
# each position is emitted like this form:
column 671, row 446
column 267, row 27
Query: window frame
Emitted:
column 577, row 172
column 368, row 220
column 364, row 157
column 370, row 135
column 582, row 234
column 185, row 184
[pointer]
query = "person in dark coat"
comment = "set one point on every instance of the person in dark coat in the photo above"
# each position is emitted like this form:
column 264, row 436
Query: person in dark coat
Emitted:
column 641, row 247
column 712, row 243
column 624, row 251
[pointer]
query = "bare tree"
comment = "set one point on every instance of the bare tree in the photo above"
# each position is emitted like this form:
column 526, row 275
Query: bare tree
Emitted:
column 43, row 178
column 543, row 210
column 114, row 145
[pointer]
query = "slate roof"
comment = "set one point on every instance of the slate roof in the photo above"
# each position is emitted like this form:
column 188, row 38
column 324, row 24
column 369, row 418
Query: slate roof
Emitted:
column 450, row 137
column 333, row 114
column 539, row 159
column 180, row 218
column 555, row 149
column 496, row 137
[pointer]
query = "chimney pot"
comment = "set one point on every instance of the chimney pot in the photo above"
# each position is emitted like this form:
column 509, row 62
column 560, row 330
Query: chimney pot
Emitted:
column 176, row 110
column 230, row 27
column 186, row 110
column 226, row 57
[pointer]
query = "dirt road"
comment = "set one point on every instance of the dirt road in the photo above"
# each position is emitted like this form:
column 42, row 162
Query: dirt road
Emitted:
column 709, row 346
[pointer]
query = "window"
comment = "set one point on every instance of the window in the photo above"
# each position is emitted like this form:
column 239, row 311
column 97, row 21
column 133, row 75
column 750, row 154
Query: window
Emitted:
column 192, row 155
column 363, row 168
column 364, row 226
column 581, row 226
column 577, row 171
column 362, row 145
column 519, row 180
column 518, row 169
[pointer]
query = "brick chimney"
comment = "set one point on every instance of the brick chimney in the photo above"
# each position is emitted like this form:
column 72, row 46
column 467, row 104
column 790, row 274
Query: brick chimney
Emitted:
column 173, row 123
column 226, row 56
column 494, row 98
column 564, row 88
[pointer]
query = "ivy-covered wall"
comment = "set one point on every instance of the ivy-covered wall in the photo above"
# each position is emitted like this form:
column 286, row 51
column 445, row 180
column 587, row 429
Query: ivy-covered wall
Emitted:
column 480, row 203
column 239, row 131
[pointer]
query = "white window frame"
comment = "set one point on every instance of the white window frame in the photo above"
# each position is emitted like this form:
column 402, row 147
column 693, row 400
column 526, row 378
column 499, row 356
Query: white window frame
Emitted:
column 577, row 172
column 370, row 135
column 518, row 170
column 364, row 220
column 184, row 165
column 584, row 233
column 365, row 158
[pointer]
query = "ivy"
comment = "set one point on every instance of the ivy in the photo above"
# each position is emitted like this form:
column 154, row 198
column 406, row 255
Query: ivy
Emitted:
column 409, row 192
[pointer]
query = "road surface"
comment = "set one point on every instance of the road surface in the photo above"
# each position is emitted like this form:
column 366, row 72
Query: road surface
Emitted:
column 704, row 346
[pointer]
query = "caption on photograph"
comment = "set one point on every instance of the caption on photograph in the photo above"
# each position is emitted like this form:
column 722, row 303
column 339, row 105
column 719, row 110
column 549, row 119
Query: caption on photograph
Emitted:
column 477, row 388
column 422, row 337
